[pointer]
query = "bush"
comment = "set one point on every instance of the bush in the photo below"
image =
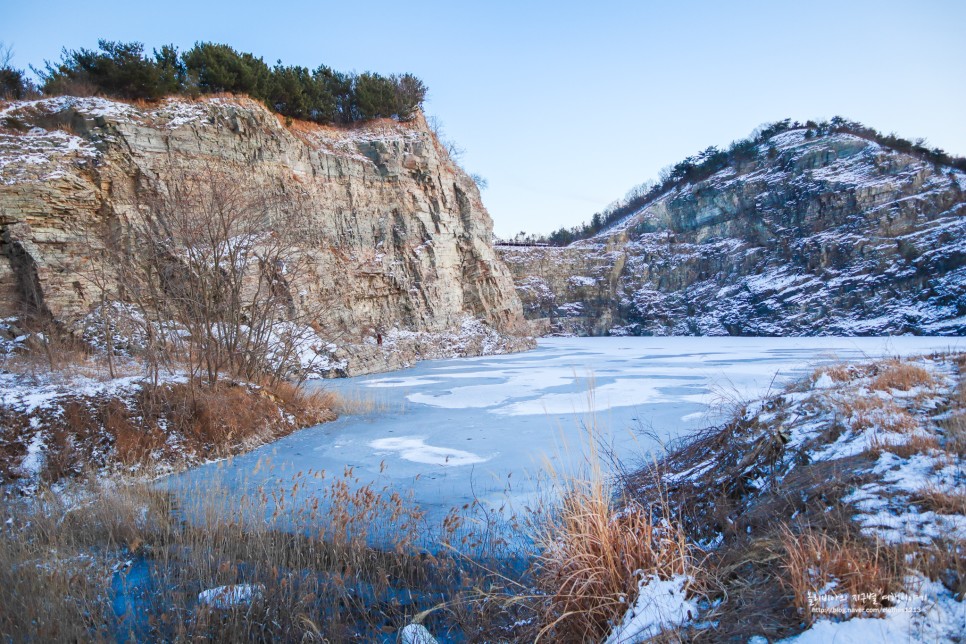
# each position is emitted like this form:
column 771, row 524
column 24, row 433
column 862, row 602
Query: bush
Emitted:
column 116, row 69
column 123, row 70
column 219, row 68
column 14, row 86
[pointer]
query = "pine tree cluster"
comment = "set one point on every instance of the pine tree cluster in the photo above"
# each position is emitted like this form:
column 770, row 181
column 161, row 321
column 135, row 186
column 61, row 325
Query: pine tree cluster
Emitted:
column 124, row 70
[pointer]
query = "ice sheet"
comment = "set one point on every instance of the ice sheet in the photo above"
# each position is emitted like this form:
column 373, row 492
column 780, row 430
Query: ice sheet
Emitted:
column 464, row 429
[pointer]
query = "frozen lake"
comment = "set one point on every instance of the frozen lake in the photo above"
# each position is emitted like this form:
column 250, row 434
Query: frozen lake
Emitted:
column 449, row 431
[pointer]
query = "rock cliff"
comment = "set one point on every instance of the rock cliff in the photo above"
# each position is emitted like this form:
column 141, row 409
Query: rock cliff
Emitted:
column 398, row 240
column 815, row 235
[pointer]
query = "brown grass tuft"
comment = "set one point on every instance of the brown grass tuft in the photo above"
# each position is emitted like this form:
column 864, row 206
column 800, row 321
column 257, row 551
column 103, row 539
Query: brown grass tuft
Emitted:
column 941, row 501
column 915, row 444
column 593, row 557
column 838, row 372
column 814, row 562
column 873, row 412
column 903, row 376
column 943, row 560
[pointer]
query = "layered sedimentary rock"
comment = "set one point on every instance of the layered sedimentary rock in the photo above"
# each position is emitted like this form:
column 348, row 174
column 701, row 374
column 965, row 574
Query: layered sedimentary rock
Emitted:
column 826, row 235
column 398, row 240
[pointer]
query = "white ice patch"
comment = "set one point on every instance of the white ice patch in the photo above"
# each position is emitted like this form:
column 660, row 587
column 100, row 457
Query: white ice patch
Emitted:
column 623, row 392
column 401, row 382
column 698, row 415
column 224, row 597
column 415, row 449
column 660, row 605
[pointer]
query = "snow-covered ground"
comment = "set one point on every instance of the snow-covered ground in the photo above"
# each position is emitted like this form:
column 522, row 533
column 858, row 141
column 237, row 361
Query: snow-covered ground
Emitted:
column 454, row 431
column 876, row 442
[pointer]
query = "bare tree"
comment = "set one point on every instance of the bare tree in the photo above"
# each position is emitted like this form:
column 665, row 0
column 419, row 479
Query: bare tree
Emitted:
column 6, row 55
column 208, row 262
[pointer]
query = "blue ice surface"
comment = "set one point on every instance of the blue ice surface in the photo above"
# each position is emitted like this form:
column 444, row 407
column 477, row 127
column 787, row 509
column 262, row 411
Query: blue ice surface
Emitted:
column 447, row 433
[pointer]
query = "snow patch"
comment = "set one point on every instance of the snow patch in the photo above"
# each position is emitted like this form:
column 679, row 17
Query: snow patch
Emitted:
column 660, row 604
column 225, row 597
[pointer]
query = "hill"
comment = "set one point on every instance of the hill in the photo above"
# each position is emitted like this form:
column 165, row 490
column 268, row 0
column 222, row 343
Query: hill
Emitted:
column 806, row 231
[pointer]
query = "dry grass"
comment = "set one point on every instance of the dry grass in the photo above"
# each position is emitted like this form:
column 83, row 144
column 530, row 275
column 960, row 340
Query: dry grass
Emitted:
column 943, row 560
column 362, row 402
column 941, row 501
column 814, row 562
column 593, row 557
column 874, row 412
column 914, row 444
column 954, row 427
column 169, row 425
column 310, row 554
column 840, row 372
column 903, row 376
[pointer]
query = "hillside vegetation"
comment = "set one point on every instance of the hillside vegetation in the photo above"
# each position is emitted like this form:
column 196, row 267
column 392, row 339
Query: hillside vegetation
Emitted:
column 124, row 70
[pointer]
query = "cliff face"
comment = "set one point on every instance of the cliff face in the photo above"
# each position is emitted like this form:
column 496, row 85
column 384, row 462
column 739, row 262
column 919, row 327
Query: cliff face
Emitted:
column 832, row 235
column 397, row 237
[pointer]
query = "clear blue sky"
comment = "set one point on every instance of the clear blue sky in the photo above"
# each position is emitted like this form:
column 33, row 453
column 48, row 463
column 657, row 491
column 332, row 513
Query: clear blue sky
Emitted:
column 564, row 106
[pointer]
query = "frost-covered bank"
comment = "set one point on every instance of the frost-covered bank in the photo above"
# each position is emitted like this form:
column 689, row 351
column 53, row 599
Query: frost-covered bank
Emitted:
column 69, row 410
column 837, row 508
column 60, row 426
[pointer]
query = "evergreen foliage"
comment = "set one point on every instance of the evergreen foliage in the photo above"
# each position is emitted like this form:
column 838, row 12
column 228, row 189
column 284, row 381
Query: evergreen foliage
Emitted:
column 14, row 86
column 123, row 70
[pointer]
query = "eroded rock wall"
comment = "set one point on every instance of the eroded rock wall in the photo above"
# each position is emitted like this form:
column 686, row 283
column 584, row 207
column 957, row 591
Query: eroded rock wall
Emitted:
column 398, row 239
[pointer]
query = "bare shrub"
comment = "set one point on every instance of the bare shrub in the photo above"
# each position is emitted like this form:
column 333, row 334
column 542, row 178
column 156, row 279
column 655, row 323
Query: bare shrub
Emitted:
column 208, row 262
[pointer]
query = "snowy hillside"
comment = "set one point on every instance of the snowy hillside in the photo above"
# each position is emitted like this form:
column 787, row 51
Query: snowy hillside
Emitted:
column 830, row 234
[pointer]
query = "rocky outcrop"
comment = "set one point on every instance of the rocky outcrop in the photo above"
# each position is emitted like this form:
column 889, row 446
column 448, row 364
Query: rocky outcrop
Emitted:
column 831, row 235
column 398, row 238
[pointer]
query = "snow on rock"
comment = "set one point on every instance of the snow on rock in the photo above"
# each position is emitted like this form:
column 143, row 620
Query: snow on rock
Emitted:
column 582, row 280
column 660, row 604
column 36, row 156
column 827, row 235
column 230, row 596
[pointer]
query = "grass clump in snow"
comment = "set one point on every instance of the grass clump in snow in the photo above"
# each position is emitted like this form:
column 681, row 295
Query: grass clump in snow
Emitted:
column 836, row 573
column 594, row 555
column 825, row 502
column 903, row 376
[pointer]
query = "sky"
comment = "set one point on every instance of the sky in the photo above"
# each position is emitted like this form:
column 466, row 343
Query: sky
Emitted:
column 564, row 106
